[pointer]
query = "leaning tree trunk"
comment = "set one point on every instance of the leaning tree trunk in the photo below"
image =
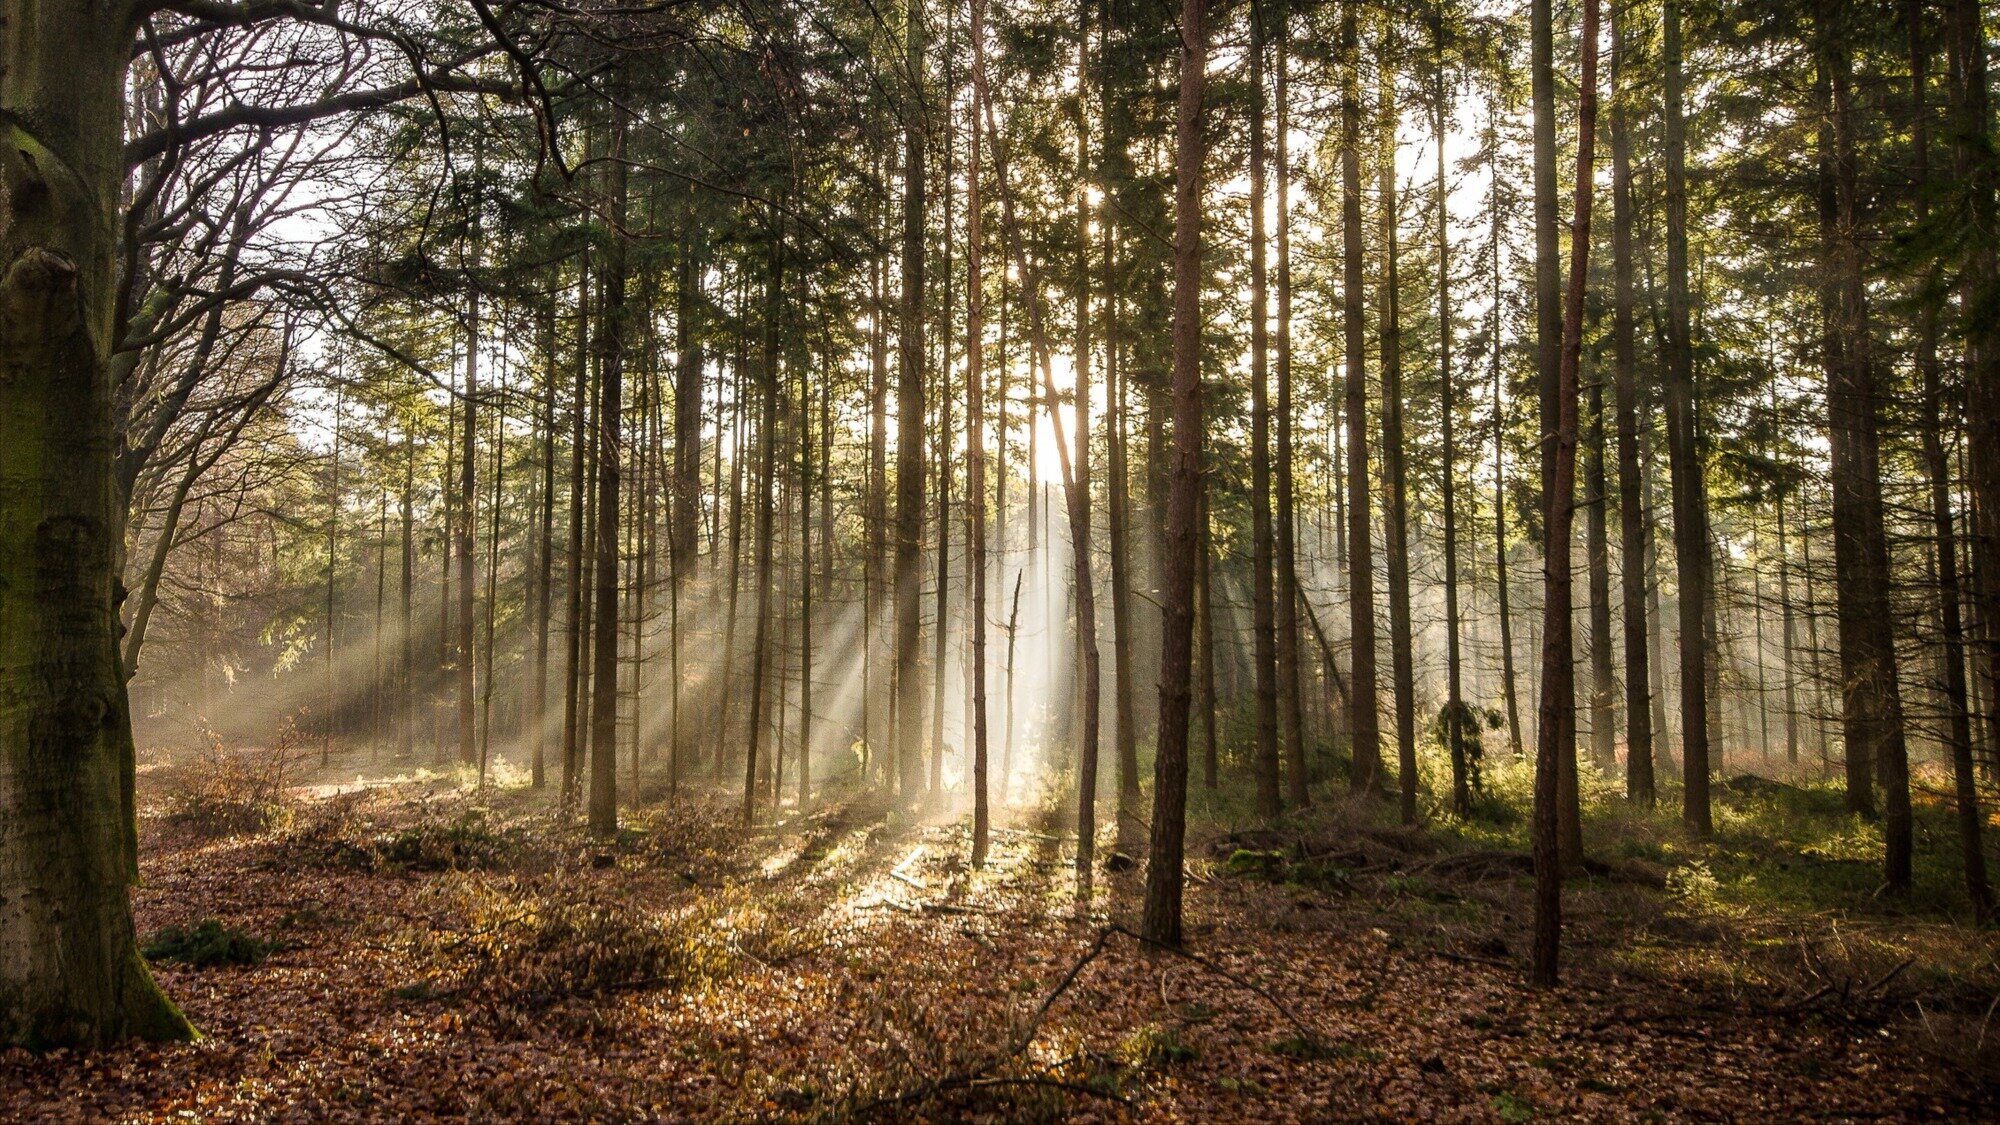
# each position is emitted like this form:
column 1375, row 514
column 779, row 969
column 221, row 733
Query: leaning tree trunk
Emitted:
column 70, row 970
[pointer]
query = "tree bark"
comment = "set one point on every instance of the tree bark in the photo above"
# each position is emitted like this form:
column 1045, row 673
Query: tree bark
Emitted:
column 1290, row 707
column 1365, row 726
column 576, row 656
column 1455, row 713
column 1632, row 543
column 908, row 577
column 468, row 514
column 1871, row 700
column 610, row 418
column 1263, row 652
column 544, row 571
column 1979, row 289
column 975, row 489
column 1508, row 688
column 70, row 970
column 1395, row 476
column 1162, row 917
column 1690, row 515
column 770, row 390
column 1554, row 733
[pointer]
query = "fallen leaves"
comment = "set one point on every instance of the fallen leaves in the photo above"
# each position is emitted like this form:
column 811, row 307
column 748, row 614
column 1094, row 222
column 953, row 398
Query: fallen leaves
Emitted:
column 847, row 968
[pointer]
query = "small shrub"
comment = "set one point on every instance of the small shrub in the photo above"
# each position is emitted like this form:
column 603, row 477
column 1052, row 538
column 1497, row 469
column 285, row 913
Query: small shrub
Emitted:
column 1694, row 889
column 1156, row 1045
column 232, row 793
column 206, row 944
column 466, row 842
column 529, row 954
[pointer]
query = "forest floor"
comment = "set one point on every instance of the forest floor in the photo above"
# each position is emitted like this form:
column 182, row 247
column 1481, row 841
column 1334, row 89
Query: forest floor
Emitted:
column 420, row 951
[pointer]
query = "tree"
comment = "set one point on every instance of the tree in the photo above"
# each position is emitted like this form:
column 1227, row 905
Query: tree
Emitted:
column 1632, row 540
column 1555, row 733
column 610, row 420
column 1263, row 593
column 1690, row 508
column 1365, row 725
column 975, row 386
column 1162, row 920
column 1871, row 700
column 70, row 971
column 908, row 575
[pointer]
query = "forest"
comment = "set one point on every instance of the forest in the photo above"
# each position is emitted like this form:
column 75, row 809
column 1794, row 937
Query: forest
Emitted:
column 990, row 560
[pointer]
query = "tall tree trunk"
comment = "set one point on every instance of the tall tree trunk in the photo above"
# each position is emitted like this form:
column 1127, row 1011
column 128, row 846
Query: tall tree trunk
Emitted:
column 70, row 969
column 332, row 563
column 1112, row 142
column 975, row 449
column 1395, row 478
column 1632, row 539
column 1548, row 367
column 875, row 699
column 610, row 420
column 740, row 454
column 1290, row 707
column 771, row 390
column 1455, row 714
column 406, row 684
column 544, row 572
column 468, row 508
column 1690, row 514
column 1204, row 593
column 940, row 630
column 1597, row 554
column 1076, row 489
column 1977, row 173
column 1871, row 701
column 1950, row 594
column 1162, row 918
column 576, row 656
column 492, row 577
column 1264, row 652
column 807, row 471
column 684, row 557
column 1555, row 734
column 1365, row 724
column 1508, row 684
column 908, row 579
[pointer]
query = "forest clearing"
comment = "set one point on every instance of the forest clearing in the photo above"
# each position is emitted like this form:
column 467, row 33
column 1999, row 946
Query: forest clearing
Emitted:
column 428, row 952
column 837, row 560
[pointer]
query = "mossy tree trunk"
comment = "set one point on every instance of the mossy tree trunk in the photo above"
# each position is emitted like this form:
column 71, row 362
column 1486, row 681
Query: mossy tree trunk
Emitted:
column 70, row 970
